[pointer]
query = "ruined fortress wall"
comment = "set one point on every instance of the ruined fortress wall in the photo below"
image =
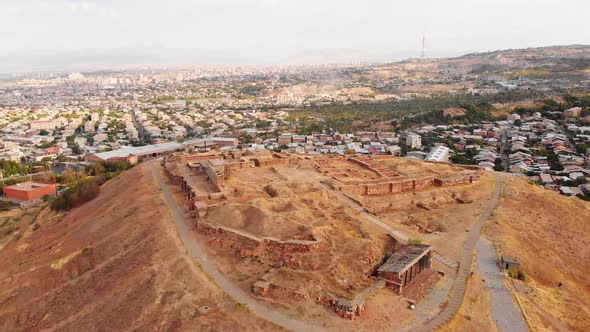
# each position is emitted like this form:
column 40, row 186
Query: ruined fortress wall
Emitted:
column 291, row 246
column 349, row 182
column 424, row 182
column 328, row 160
column 247, row 164
column 353, row 189
column 382, row 157
column 247, row 244
column 253, row 245
column 267, row 162
column 379, row 188
column 307, row 163
column 274, row 161
column 359, row 162
column 241, row 164
column 228, row 237
column 231, row 238
column 198, row 158
column 406, row 185
column 396, row 187
column 352, row 308
column 387, row 187
column 457, row 180
column 180, row 181
column 216, row 180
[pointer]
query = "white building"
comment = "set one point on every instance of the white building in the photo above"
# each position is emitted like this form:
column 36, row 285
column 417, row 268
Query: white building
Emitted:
column 414, row 141
column 44, row 124
column 75, row 76
column 513, row 117
column 439, row 153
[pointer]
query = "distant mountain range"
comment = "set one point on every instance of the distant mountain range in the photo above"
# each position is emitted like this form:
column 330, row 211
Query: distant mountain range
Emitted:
column 122, row 58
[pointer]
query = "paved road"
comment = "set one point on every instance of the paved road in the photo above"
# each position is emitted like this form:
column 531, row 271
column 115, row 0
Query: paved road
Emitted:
column 195, row 252
column 505, row 312
column 504, row 151
column 460, row 285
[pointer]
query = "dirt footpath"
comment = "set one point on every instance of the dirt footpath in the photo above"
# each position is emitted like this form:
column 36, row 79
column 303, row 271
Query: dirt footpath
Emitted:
column 505, row 312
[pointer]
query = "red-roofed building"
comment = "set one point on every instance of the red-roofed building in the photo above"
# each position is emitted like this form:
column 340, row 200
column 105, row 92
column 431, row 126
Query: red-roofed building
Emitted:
column 30, row 190
column 53, row 150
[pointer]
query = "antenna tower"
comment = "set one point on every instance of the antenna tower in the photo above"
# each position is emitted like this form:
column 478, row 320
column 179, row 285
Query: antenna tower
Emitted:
column 423, row 45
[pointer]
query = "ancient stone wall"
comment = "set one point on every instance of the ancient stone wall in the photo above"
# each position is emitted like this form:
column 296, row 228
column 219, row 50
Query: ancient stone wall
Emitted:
column 199, row 158
column 212, row 173
column 379, row 189
column 291, row 246
column 387, row 187
column 261, row 288
column 352, row 309
column 250, row 245
column 353, row 189
column 229, row 237
column 424, row 182
column 457, row 179
column 276, row 161
column 328, row 160
column 232, row 238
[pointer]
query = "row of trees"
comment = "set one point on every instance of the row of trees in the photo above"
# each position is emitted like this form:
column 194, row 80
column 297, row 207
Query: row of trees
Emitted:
column 77, row 194
column 417, row 111
column 9, row 168
column 83, row 188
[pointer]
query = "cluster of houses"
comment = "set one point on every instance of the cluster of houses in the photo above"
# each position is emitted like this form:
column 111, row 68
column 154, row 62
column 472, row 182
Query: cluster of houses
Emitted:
column 46, row 133
column 540, row 148
column 380, row 142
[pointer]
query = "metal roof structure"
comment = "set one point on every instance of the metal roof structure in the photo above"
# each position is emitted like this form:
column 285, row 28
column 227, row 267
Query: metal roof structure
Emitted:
column 404, row 258
column 139, row 150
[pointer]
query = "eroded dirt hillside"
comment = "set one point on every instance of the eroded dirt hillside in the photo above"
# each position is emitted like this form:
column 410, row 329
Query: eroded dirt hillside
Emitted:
column 113, row 264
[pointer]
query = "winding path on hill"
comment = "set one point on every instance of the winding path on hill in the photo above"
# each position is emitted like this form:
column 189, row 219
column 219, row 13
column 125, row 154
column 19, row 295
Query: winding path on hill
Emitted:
column 195, row 251
column 505, row 312
column 457, row 294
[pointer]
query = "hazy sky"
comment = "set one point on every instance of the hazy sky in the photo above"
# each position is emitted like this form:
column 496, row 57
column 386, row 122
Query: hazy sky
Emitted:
column 273, row 30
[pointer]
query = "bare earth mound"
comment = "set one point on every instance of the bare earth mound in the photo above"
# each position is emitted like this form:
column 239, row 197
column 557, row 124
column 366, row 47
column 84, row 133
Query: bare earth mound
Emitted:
column 113, row 264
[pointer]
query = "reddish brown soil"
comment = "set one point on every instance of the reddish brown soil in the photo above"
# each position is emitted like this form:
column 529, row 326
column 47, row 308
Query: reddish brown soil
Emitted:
column 113, row 264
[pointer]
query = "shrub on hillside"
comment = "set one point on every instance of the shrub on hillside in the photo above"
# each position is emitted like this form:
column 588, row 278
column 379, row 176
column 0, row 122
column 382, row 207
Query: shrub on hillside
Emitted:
column 436, row 226
column 513, row 273
column 7, row 205
column 106, row 167
column 70, row 176
column 414, row 241
column 79, row 193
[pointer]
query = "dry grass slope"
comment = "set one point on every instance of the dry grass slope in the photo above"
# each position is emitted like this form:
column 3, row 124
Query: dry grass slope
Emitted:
column 549, row 234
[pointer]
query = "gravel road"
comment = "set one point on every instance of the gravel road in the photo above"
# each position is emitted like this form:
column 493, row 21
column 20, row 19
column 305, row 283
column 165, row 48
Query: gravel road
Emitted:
column 505, row 312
